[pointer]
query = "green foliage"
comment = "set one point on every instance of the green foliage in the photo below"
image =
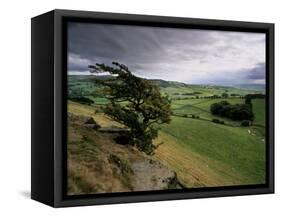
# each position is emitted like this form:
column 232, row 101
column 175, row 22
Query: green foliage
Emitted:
column 135, row 102
column 236, row 112
column 248, row 100
column 224, row 95
column 255, row 96
column 215, row 96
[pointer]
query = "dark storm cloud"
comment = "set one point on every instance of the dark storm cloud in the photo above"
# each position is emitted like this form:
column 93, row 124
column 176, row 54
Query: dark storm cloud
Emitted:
column 255, row 75
column 257, row 72
column 138, row 47
column 167, row 53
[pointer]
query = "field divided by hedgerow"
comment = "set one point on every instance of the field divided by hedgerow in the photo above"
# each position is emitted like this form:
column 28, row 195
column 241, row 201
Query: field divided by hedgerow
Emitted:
column 201, row 152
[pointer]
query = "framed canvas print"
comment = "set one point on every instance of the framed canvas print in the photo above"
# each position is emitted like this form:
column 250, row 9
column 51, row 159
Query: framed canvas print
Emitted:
column 130, row 108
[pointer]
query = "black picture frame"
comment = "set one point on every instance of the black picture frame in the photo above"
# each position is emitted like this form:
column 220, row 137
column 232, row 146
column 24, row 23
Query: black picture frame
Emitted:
column 48, row 148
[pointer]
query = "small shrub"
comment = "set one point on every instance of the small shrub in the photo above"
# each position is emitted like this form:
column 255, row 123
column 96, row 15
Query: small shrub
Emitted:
column 216, row 120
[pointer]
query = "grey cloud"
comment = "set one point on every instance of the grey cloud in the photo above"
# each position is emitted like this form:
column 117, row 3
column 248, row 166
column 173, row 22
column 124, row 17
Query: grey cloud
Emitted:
column 167, row 53
column 249, row 75
column 257, row 72
column 132, row 45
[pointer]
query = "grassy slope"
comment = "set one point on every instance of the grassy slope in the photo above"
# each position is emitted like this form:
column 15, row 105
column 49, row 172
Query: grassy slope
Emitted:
column 85, row 110
column 96, row 164
column 232, row 160
column 259, row 111
column 202, row 153
column 219, row 143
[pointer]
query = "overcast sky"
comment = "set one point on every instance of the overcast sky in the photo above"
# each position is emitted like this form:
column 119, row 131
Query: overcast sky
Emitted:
column 185, row 55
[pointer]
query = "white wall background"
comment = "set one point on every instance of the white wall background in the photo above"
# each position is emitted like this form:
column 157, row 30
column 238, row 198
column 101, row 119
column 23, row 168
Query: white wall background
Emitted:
column 15, row 106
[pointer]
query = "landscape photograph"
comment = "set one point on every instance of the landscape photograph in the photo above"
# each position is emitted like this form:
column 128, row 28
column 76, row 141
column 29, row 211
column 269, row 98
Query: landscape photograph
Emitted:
column 157, row 108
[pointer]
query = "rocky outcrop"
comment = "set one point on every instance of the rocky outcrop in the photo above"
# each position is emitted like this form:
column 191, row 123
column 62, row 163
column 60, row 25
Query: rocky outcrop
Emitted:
column 152, row 175
column 99, row 164
column 91, row 123
column 89, row 120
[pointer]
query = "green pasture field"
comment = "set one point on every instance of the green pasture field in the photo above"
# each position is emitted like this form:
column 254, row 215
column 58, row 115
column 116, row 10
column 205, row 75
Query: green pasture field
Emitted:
column 201, row 152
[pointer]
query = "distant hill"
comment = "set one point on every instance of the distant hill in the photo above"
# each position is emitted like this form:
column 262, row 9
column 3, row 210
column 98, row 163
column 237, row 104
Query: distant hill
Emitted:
column 174, row 84
column 88, row 77
column 159, row 82
column 251, row 86
column 163, row 83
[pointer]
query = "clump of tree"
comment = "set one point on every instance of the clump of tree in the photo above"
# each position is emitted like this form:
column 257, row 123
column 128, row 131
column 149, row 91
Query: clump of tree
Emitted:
column 237, row 112
column 197, row 92
column 235, row 94
column 134, row 102
column 249, row 97
column 224, row 95
column 215, row 96
column 255, row 96
column 248, row 100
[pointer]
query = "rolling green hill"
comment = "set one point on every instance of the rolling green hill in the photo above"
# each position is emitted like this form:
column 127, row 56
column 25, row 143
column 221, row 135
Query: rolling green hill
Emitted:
column 202, row 153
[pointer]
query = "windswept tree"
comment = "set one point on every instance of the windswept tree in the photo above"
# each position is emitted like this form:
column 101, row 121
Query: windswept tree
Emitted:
column 134, row 102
